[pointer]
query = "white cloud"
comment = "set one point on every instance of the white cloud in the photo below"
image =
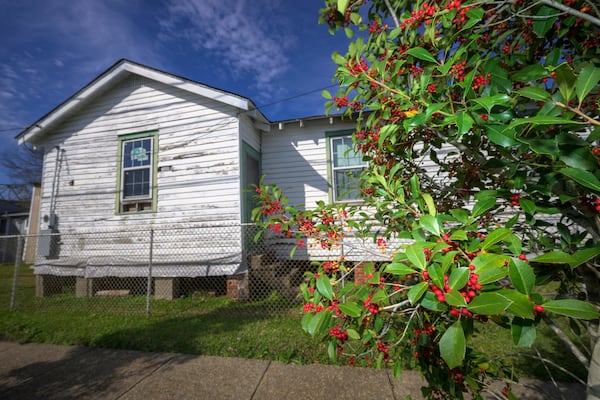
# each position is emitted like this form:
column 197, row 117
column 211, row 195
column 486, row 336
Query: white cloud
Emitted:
column 246, row 42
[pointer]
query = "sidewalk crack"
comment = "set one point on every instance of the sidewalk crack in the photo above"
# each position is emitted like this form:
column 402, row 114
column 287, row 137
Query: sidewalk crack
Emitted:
column 260, row 380
column 168, row 360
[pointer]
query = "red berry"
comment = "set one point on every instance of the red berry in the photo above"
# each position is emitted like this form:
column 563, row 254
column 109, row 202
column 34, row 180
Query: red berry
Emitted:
column 538, row 308
column 523, row 257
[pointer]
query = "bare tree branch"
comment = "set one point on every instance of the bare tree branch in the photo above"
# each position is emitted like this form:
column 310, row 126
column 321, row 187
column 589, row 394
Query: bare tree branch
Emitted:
column 572, row 11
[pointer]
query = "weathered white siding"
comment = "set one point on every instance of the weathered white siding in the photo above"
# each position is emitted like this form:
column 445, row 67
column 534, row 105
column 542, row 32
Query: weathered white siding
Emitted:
column 198, row 173
column 295, row 158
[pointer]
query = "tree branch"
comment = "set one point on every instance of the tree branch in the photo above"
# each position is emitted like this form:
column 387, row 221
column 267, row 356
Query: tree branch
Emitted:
column 572, row 11
column 565, row 339
column 392, row 13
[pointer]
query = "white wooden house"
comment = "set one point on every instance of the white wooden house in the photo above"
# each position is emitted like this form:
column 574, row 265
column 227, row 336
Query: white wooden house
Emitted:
column 138, row 148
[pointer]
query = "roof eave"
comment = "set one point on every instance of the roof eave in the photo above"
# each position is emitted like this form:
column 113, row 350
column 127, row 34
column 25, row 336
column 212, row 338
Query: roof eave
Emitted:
column 44, row 124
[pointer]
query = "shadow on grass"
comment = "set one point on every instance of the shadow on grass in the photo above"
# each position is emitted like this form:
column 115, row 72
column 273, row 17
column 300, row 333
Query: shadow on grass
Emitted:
column 244, row 330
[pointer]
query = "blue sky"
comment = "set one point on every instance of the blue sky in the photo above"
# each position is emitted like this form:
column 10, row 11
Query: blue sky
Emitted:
column 265, row 50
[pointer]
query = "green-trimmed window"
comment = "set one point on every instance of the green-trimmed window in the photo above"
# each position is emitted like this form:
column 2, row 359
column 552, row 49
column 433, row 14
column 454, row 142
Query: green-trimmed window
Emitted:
column 346, row 165
column 137, row 172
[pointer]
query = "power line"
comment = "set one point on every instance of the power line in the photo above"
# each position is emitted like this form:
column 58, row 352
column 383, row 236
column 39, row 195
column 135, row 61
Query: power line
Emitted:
column 13, row 129
column 296, row 96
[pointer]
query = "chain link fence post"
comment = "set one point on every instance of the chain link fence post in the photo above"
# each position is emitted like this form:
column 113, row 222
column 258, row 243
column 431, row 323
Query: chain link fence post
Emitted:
column 13, row 298
column 149, row 282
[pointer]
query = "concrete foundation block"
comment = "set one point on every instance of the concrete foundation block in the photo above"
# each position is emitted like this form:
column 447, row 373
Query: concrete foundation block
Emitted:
column 84, row 287
column 166, row 288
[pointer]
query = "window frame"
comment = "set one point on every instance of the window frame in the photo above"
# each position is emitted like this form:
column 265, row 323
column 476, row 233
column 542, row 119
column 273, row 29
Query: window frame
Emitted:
column 332, row 169
column 143, row 203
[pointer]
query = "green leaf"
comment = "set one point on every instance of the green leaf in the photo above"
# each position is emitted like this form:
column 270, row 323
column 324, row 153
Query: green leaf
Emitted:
column 584, row 255
column 332, row 350
column 521, row 305
column 554, row 257
column 338, row 59
column 416, row 292
column 542, row 120
column 530, row 73
column 572, row 308
column 527, row 205
column 490, row 267
column 500, row 135
column 461, row 215
column 542, row 146
column 482, row 206
column 399, row 269
column 342, row 5
column 431, row 302
column 578, row 157
column 488, row 102
column 566, row 80
column 523, row 332
column 356, row 18
column 475, row 15
column 489, row 303
column 458, row 278
column 430, row 224
column 535, row 93
column 541, row 26
column 455, row 299
column 459, row 235
column 352, row 334
column 421, row 54
column 351, row 309
column 521, row 275
column 416, row 256
column 464, row 123
column 584, row 178
column 324, row 287
column 387, row 131
column 349, row 32
column 325, row 94
column 436, row 275
column 316, row 322
column 430, row 204
column 453, row 345
column 495, row 237
column 588, row 79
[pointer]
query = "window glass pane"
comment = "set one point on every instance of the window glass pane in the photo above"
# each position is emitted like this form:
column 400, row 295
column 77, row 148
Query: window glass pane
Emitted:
column 127, row 146
column 137, row 153
column 346, row 184
column 136, row 183
column 344, row 154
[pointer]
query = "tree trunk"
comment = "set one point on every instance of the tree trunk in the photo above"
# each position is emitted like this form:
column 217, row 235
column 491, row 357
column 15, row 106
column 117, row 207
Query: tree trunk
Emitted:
column 592, row 286
column 593, row 381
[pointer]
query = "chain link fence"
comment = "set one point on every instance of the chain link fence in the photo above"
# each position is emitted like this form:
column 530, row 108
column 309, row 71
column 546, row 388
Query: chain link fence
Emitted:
column 161, row 270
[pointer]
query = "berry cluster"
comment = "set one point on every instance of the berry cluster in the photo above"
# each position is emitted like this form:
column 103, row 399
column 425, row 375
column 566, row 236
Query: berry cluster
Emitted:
column 514, row 199
column 458, row 70
column 339, row 333
column 424, row 14
column 372, row 307
column 480, row 80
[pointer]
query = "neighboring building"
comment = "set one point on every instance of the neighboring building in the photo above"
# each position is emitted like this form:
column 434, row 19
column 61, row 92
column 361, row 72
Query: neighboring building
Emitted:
column 139, row 148
column 13, row 221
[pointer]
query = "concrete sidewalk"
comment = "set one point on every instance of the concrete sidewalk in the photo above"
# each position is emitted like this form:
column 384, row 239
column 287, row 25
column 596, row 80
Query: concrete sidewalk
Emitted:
column 41, row 371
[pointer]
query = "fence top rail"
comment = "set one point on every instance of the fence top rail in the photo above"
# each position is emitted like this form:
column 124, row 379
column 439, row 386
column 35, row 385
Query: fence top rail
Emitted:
column 128, row 231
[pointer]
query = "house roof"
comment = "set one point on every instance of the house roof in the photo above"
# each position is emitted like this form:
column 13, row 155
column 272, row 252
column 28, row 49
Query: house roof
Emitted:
column 117, row 71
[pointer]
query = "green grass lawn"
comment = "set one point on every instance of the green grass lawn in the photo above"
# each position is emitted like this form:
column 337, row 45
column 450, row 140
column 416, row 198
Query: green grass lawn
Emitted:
column 207, row 325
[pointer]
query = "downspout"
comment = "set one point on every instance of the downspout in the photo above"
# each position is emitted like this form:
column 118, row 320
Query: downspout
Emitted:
column 52, row 220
